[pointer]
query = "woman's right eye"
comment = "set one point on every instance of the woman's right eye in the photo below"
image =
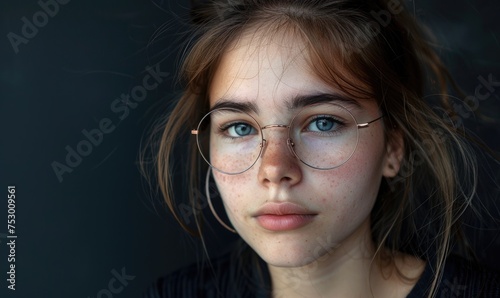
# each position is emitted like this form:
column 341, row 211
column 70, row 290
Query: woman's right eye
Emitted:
column 238, row 130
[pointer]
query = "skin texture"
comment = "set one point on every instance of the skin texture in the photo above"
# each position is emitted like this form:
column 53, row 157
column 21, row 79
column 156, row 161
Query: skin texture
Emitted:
column 332, row 255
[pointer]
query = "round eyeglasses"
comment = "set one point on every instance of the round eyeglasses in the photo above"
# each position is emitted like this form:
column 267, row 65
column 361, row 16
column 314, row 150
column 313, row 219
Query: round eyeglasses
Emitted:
column 323, row 136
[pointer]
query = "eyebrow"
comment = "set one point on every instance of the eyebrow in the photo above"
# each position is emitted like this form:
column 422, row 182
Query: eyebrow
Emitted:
column 301, row 101
column 241, row 106
column 295, row 103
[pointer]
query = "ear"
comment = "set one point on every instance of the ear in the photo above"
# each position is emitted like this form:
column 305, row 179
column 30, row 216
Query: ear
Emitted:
column 394, row 154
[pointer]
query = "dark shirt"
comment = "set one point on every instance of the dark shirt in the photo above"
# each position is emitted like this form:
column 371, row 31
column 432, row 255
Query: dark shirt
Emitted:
column 243, row 274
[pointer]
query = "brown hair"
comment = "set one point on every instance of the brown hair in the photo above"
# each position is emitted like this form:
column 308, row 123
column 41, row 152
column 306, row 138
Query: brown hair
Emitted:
column 380, row 44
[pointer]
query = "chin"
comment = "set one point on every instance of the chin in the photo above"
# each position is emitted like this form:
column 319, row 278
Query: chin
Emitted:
column 292, row 251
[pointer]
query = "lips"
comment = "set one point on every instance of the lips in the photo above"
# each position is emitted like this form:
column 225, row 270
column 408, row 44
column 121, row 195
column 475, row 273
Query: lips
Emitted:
column 283, row 216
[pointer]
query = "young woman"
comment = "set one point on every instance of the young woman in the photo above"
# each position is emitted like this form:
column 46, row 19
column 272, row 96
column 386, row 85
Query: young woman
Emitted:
column 339, row 178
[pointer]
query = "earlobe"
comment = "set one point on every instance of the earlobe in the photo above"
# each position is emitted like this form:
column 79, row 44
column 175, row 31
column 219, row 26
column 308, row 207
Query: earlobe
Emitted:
column 394, row 155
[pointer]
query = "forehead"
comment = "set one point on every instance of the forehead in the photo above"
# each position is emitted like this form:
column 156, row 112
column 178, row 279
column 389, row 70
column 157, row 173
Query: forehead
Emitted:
column 265, row 68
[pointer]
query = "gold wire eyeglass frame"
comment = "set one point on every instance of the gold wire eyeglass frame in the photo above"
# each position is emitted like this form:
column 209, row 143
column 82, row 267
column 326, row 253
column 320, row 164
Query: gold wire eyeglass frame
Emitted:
column 263, row 142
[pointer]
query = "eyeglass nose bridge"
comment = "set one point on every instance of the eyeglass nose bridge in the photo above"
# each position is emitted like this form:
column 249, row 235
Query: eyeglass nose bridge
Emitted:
column 289, row 141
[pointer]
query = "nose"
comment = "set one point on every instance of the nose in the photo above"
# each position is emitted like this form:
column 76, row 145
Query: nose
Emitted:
column 278, row 165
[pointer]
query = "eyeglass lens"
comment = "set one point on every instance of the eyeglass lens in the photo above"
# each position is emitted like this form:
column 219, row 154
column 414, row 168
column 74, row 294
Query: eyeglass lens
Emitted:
column 323, row 136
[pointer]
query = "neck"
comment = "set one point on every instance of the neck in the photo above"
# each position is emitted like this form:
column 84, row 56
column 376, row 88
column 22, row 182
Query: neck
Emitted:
column 351, row 270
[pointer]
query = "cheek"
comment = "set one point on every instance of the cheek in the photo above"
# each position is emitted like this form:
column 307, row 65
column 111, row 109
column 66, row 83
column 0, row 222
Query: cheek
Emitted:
column 232, row 189
column 354, row 185
column 370, row 154
column 227, row 162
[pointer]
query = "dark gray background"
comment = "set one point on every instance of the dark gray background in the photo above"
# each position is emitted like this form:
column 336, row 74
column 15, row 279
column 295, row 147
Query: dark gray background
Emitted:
column 101, row 216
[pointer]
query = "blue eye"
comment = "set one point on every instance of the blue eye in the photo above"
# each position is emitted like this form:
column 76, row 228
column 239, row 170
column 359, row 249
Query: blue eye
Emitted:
column 323, row 124
column 236, row 130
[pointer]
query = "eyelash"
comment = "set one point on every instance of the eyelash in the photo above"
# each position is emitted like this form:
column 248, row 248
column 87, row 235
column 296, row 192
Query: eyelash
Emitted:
column 332, row 118
column 222, row 129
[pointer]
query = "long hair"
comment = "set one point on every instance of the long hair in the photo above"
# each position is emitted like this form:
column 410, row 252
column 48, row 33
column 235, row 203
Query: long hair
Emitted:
column 380, row 44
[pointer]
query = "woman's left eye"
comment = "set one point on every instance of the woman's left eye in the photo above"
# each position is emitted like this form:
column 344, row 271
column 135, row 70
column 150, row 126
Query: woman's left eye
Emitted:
column 323, row 124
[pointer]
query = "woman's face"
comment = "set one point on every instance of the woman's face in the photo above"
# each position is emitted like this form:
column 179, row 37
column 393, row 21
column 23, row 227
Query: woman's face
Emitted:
column 289, row 213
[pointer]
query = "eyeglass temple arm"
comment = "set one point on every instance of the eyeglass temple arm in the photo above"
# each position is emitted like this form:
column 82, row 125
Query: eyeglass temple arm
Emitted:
column 362, row 125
